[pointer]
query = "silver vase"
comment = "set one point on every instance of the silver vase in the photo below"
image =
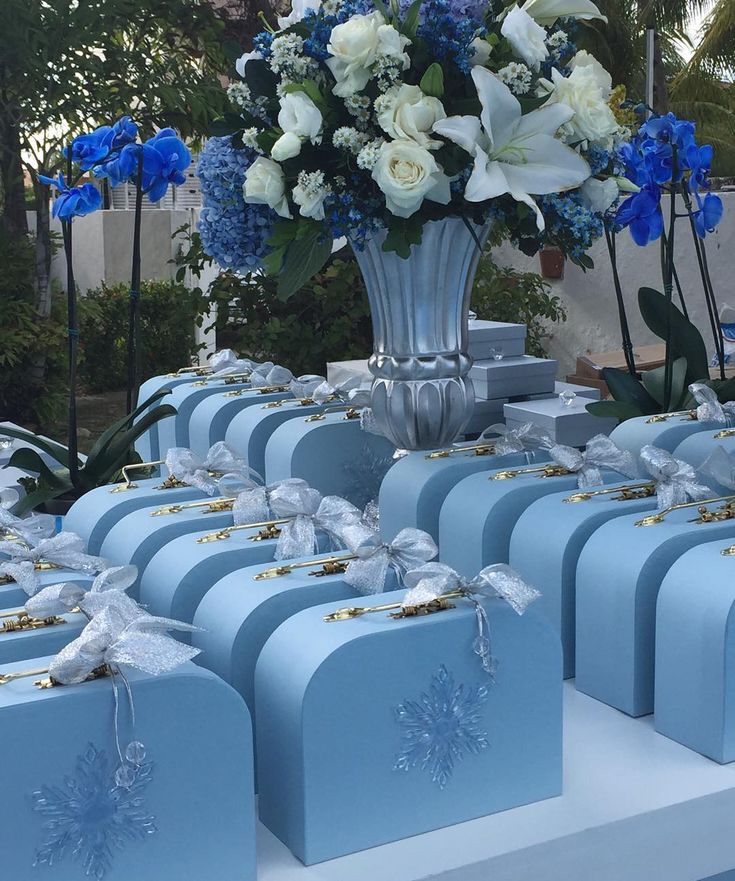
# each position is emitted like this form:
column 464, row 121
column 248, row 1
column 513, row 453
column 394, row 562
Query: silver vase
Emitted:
column 421, row 396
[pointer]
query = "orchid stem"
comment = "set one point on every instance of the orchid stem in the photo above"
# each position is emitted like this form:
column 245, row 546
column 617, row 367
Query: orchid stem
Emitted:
column 73, row 334
column 624, row 326
column 134, row 298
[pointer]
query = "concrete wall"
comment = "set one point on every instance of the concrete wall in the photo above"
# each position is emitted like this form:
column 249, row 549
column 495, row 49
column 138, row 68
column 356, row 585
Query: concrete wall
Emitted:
column 593, row 326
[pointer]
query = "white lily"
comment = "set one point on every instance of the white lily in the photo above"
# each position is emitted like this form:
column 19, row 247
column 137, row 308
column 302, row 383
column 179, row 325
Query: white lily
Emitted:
column 546, row 12
column 514, row 154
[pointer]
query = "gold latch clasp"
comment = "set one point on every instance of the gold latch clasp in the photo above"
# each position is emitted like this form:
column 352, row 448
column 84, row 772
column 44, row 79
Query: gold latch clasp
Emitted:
column 23, row 622
column 716, row 516
column 475, row 450
column 127, row 483
column 329, row 566
column 398, row 610
column 543, row 471
column 211, row 506
column 270, row 530
column 631, row 493
column 664, row 417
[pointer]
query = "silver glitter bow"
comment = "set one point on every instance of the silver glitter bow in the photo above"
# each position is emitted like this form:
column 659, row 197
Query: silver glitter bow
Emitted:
column 272, row 375
column 676, row 481
column 303, row 387
column 527, row 436
column 409, row 550
column 254, row 505
column 32, row 528
column 226, row 363
column 308, row 512
column 600, row 453
column 108, row 587
column 496, row 581
column 221, row 459
column 326, row 392
column 8, row 498
column 67, row 550
column 710, row 409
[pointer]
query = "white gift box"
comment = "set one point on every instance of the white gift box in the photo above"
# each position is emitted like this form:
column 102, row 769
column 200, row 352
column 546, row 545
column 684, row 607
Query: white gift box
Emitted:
column 512, row 377
column 501, row 337
column 568, row 424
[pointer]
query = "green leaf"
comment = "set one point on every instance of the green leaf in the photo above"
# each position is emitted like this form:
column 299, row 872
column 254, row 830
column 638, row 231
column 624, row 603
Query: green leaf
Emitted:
column 686, row 340
column 119, row 425
column 29, row 460
column 614, row 409
column 725, row 389
column 38, row 497
column 226, row 125
column 304, row 258
column 382, row 9
column 56, row 451
column 311, row 89
column 654, row 381
column 402, row 233
column 411, row 24
column 628, row 390
column 232, row 49
column 432, row 82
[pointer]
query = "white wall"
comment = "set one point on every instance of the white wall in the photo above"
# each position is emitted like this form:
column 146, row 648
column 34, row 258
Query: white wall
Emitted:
column 593, row 326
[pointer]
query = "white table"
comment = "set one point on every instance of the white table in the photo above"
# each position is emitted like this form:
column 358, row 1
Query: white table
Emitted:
column 636, row 807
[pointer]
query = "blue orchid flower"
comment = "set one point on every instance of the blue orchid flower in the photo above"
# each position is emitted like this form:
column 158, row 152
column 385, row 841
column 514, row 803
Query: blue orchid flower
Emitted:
column 72, row 201
column 165, row 159
column 642, row 214
column 125, row 131
column 709, row 215
column 91, row 149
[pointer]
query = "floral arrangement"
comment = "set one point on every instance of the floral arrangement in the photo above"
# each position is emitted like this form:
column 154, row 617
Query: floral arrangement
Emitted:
column 358, row 117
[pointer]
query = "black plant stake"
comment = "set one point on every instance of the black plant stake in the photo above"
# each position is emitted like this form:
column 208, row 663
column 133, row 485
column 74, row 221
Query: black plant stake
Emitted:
column 73, row 333
column 134, row 299
column 623, row 315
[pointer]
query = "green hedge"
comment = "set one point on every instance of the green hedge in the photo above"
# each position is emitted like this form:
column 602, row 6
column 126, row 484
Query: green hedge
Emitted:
column 168, row 311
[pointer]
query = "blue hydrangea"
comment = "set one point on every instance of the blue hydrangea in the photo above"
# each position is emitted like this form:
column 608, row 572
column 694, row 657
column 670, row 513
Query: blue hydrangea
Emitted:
column 570, row 223
column 262, row 43
column 233, row 232
column 598, row 158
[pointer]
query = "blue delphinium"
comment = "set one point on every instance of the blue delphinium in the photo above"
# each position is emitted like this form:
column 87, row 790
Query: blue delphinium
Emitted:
column 347, row 215
column 449, row 33
column 72, row 201
column 233, row 233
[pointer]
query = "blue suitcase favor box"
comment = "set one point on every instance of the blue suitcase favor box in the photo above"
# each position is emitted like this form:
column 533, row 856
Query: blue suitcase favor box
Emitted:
column 371, row 729
column 619, row 574
column 478, row 516
column 695, row 664
column 415, row 488
column 697, row 448
column 333, row 453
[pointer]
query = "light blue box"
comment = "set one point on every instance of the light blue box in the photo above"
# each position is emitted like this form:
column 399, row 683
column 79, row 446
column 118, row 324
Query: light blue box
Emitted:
column 148, row 445
column 619, row 574
column 546, row 543
column 97, row 511
column 212, row 417
column 695, row 652
column 174, row 431
column 478, row 516
column 138, row 536
column 634, row 434
column 340, row 706
column 570, row 424
column 18, row 645
column 415, row 488
column 14, row 597
column 197, row 735
column 698, row 447
column 183, row 570
column 334, row 455
column 251, row 429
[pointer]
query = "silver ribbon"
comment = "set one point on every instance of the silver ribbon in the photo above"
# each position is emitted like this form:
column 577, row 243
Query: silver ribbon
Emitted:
column 272, row 374
column 409, row 550
column 676, row 481
column 326, row 392
column 496, row 581
column 186, row 466
column 308, row 512
column 303, row 387
column 527, row 436
column 710, row 409
column 32, row 526
column 8, row 498
column 720, row 466
column 254, row 505
column 226, row 363
column 67, row 550
column 108, row 587
column 600, row 453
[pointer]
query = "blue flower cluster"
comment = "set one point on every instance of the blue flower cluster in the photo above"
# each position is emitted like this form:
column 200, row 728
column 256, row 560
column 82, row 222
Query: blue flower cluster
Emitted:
column 165, row 159
column 449, row 32
column 664, row 155
column 570, row 223
column 347, row 215
column 72, row 201
column 320, row 25
column 599, row 159
column 233, row 233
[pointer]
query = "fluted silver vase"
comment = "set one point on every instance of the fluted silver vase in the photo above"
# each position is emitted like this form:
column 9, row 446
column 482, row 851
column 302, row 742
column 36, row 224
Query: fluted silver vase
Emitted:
column 421, row 396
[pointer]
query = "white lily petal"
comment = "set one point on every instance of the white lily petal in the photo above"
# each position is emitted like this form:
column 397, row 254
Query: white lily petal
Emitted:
column 520, row 196
column 501, row 110
column 546, row 12
column 441, row 192
column 548, row 167
column 487, row 180
column 544, row 121
column 464, row 131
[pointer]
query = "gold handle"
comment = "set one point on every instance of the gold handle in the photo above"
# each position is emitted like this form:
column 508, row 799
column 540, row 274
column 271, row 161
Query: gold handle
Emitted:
column 227, row 380
column 728, row 552
column 543, row 471
column 664, row 417
column 212, row 506
column 138, row 466
column 260, row 390
column 398, row 610
column 653, row 519
column 25, row 622
column 5, row 678
column 631, row 492
column 350, row 413
column 725, row 433
column 197, row 371
column 223, row 534
column 476, row 449
column 330, row 566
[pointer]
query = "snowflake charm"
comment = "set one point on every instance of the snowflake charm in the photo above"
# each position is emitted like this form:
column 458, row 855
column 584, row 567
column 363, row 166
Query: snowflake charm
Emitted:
column 441, row 727
column 90, row 816
column 365, row 474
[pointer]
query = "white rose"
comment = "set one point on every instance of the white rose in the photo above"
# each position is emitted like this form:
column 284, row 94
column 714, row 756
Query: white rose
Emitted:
column 392, row 44
column 286, row 147
column 406, row 113
column 265, row 184
column 311, row 203
column 600, row 195
column 300, row 116
column 593, row 119
column 353, row 46
column 299, row 8
column 527, row 38
column 243, row 60
column 407, row 174
column 602, row 77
